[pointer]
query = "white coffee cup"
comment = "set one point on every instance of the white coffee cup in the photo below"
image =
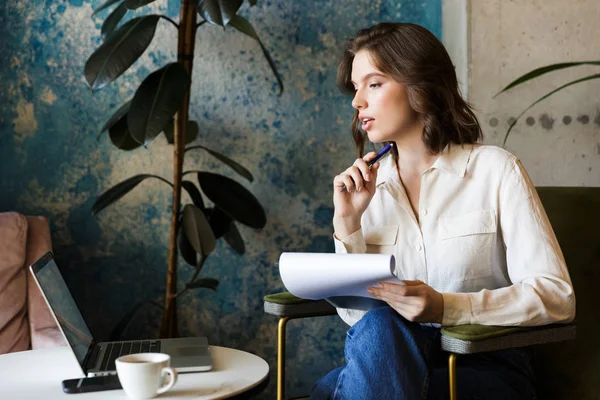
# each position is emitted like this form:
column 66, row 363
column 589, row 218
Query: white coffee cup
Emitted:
column 142, row 375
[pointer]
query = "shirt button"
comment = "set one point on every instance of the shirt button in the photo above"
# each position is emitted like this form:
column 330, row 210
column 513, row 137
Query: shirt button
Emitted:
column 419, row 247
column 424, row 212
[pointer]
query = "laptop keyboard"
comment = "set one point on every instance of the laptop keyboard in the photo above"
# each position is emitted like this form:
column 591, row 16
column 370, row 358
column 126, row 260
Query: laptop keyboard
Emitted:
column 118, row 349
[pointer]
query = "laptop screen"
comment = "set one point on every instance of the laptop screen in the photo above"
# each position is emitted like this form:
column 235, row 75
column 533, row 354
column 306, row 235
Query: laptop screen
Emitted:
column 63, row 305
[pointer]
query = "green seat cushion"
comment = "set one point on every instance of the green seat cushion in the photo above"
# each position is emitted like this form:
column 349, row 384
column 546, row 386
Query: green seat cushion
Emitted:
column 285, row 298
column 479, row 332
column 286, row 304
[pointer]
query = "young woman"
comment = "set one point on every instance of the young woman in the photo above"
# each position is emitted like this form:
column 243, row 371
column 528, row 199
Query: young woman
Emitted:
column 471, row 239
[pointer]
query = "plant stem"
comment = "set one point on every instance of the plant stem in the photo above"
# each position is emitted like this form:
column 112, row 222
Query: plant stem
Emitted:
column 185, row 55
column 198, row 268
column 170, row 20
column 195, row 147
column 190, row 172
column 164, row 180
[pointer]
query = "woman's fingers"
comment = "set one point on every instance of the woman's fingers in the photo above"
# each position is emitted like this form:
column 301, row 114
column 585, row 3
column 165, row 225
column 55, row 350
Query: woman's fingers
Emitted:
column 393, row 296
column 358, row 175
column 338, row 183
column 369, row 156
column 415, row 300
column 413, row 283
column 398, row 294
column 363, row 167
column 351, row 179
column 409, row 288
column 401, row 309
column 344, row 181
column 409, row 307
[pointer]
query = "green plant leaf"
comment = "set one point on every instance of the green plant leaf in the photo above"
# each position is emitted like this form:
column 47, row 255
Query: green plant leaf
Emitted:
column 234, row 199
column 234, row 239
column 117, row 331
column 192, row 132
column 134, row 4
column 544, row 70
column 226, row 160
column 194, row 193
column 242, row 25
column 190, row 135
column 111, row 22
column 169, row 131
column 587, row 78
column 120, row 51
column 119, row 190
column 208, row 283
column 218, row 12
column 118, row 130
column 198, row 231
column 105, row 6
column 156, row 101
column 121, row 137
column 186, row 250
column 219, row 221
column 115, row 118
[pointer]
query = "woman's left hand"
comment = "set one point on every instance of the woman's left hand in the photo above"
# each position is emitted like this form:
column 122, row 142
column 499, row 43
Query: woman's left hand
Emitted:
column 414, row 300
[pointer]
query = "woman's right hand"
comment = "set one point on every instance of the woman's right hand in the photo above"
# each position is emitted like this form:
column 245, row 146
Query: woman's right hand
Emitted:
column 353, row 190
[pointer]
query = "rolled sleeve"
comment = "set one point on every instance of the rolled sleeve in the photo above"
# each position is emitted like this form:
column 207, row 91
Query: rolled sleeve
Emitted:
column 354, row 243
column 457, row 309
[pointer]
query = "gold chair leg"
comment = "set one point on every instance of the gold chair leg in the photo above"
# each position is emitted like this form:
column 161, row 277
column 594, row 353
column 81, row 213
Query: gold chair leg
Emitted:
column 281, row 358
column 452, row 375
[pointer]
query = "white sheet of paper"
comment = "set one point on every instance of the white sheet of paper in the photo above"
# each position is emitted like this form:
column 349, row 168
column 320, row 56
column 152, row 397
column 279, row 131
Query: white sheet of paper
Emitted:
column 318, row 276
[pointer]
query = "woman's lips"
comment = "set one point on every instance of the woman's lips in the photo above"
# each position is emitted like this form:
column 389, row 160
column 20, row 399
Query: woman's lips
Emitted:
column 366, row 125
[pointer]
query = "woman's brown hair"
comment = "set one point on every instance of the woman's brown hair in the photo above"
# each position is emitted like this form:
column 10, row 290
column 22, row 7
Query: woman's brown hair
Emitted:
column 413, row 56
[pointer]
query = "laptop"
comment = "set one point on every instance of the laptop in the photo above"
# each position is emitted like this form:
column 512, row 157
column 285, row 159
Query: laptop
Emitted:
column 98, row 359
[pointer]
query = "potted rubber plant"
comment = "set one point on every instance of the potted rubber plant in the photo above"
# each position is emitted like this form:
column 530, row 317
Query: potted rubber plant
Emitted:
column 160, row 105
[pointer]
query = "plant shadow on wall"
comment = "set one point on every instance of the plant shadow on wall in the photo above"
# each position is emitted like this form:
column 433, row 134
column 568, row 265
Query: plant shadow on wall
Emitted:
column 160, row 105
column 541, row 71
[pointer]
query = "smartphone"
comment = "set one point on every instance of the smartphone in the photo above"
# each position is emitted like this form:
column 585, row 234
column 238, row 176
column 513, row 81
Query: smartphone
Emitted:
column 95, row 384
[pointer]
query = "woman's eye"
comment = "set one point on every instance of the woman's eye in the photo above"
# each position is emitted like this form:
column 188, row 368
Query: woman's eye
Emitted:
column 374, row 85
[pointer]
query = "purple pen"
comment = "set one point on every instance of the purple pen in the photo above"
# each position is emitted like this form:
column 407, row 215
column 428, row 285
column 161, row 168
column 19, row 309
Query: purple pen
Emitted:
column 381, row 153
column 385, row 150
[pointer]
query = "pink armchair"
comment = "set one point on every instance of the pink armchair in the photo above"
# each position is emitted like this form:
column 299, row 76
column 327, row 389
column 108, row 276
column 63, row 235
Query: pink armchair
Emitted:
column 25, row 320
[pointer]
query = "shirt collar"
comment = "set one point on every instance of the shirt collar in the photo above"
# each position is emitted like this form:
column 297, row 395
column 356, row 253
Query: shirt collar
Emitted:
column 453, row 159
column 387, row 170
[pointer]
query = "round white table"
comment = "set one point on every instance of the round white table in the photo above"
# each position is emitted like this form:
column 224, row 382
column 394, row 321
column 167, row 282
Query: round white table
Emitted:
column 38, row 374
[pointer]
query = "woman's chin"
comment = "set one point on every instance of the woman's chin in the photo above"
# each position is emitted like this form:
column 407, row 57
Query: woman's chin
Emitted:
column 375, row 137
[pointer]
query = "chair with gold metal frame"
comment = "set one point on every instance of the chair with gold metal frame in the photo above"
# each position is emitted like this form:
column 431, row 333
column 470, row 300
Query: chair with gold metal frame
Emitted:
column 564, row 368
column 465, row 339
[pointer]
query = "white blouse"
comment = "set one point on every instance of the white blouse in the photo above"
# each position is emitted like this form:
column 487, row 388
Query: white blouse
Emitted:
column 483, row 240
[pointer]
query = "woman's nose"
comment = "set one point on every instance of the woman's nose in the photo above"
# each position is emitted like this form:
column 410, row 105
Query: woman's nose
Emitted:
column 358, row 101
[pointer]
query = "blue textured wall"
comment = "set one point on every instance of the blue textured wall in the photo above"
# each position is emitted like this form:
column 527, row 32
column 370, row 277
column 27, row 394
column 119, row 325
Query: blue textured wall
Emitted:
column 51, row 163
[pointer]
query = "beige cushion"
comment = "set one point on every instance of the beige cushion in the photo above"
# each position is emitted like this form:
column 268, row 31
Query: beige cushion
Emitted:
column 14, row 330
column 43, row 329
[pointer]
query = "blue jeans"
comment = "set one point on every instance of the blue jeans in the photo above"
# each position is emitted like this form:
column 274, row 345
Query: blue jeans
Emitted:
column 389, row 357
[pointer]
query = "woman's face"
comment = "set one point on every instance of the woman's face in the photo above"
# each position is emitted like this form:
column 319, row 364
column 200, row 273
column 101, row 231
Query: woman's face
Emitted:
column 382, row 103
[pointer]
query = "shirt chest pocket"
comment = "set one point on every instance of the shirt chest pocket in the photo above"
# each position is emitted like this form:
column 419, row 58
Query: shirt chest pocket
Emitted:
column 381, row 239
column 465, row 244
